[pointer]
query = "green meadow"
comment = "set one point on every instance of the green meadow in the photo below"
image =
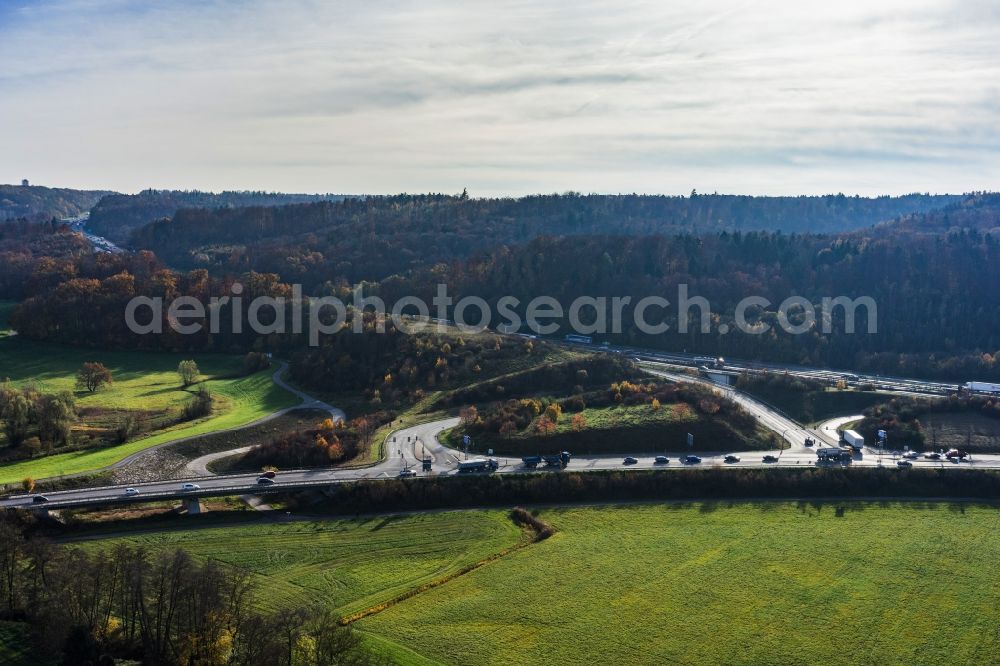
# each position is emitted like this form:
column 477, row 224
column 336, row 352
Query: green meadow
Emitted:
column 698, row 583
column 349, row 565
column 145, row 383
column 766, row 583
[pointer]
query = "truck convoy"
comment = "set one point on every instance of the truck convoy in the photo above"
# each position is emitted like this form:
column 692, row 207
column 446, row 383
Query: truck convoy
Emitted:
column 853, row 439
column 477, row 465
column 555, row 460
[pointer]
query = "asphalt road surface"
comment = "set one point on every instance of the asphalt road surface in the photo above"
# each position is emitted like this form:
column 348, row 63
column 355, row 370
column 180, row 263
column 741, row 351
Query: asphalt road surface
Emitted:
column 405, row 448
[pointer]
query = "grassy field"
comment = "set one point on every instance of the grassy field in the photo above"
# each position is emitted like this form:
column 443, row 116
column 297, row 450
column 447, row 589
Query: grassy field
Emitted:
column 144, row 382
column 625, row 429
column 705, row 584
column 15, row 645
column 348, row 565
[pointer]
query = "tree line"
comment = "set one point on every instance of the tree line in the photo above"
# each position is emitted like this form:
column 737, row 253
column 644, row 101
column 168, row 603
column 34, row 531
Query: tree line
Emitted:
column 117, row 215
column 377, row 237
column 90, row 606
column 38, row 421
column 823, row 483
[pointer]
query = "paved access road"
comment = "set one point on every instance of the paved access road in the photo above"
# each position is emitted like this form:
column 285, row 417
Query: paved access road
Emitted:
column 405, row 448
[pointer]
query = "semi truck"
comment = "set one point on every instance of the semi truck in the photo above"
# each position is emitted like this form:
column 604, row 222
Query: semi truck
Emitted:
column 853, row 439
column 711, row 361
column 981, row 388
column 833, row 454
column 557, row 459
column 477, row 465
column 531, row 461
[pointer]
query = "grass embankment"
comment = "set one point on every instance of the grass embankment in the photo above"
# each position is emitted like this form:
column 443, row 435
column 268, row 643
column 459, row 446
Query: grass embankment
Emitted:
column 973, row 432
column 144, row 382
column 813, row 406
column 348, row 565
column 625, row 429
column 262, row 433
column 772, row 583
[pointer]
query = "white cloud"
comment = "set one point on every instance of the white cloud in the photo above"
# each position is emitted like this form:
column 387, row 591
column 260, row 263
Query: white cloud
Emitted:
column 502, row 97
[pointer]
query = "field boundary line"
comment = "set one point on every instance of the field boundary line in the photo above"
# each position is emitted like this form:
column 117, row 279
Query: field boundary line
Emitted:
column 532, row 533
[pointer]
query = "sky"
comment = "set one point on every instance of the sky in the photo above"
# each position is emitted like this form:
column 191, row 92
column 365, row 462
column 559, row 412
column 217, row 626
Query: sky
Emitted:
column 502, row 97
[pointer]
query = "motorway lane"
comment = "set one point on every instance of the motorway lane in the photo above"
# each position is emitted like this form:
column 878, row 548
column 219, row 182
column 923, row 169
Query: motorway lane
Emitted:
column 881, row 382
column 792, row 432
column 405, row 448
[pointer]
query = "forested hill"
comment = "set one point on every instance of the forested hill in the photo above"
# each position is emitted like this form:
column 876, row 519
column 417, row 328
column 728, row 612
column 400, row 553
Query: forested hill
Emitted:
column 375, row 237
column 116, row 216
column 44, row 203
column 978, row 212
column 936, row 315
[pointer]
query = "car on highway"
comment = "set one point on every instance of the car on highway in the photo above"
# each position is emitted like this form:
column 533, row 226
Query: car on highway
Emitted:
column 731, row 458
column 691, row 460
column 932, row 456
column 770, row 459
column 131, row 492
column 265, row 481
column 38, row 499
column 661, row 460
column 190, row 486
column 956, row 454
column 270, row 474
column 630, row 461
column 904, row 463
column 406, row 473
column 911, row 455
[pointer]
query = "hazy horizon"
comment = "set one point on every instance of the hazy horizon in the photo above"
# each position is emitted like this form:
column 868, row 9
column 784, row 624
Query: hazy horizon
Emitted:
column 505, row 99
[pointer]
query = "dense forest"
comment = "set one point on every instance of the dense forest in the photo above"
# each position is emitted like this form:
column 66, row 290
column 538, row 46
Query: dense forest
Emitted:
column 44, row 203
column 932, row 292
column 30, row 252
column 978, row 211
column 930, row 274
column 375, row 237
column 115, row 216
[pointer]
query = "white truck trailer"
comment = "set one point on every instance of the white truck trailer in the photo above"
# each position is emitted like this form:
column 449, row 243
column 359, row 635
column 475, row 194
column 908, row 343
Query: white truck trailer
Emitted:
column 853, row 439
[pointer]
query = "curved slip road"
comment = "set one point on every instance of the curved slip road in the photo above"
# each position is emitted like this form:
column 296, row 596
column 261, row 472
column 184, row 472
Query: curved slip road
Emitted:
column 199, row 466
column 405, row 448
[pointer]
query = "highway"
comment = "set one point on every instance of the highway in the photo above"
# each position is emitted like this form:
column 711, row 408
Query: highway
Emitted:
column 736, row 366
column 405, row 448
